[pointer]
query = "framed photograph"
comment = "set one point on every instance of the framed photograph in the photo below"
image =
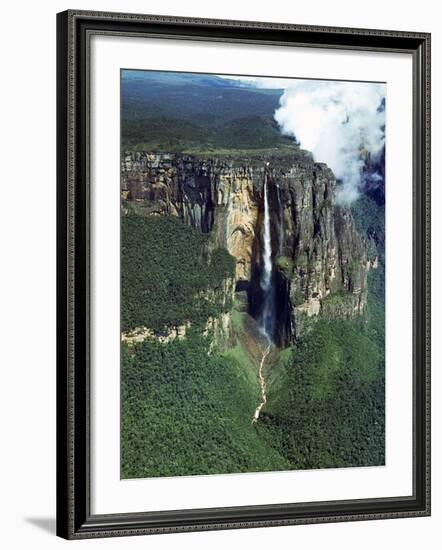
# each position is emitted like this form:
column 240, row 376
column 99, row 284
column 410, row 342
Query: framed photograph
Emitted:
column 243, row 274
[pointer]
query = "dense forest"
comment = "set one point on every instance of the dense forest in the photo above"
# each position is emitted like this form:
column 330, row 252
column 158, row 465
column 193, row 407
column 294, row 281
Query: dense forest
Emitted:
column 164, row 265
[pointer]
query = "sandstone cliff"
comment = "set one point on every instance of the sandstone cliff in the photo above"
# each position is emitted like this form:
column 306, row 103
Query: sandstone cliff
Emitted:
column 320, row 259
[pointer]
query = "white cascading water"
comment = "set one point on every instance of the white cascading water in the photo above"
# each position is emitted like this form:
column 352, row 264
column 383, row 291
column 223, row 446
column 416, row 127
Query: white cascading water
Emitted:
column 266, row 276
column 267, row 253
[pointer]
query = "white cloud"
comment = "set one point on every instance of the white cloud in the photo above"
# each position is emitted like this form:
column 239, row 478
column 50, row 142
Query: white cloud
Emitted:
column 335, row 120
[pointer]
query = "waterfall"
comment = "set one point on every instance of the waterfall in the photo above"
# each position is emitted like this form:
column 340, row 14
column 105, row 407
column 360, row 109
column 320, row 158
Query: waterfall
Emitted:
column 266, row 320
column 267, row 253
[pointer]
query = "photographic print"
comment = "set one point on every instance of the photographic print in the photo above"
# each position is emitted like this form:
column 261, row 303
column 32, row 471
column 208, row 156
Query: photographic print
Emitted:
column 252, row 274
column 241, row 339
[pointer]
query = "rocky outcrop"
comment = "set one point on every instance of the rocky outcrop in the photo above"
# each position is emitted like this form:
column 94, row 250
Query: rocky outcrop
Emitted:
column 316, row 249
column 218, row 329
column 165, row 336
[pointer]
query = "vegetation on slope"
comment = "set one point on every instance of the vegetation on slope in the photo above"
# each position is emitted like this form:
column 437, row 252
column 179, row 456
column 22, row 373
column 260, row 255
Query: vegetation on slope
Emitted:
column 326, row 401
column 370, row 221
column 185, row 412
column 165, row 272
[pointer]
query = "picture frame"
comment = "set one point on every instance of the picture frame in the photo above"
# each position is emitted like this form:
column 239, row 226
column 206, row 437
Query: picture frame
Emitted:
column 75, row 517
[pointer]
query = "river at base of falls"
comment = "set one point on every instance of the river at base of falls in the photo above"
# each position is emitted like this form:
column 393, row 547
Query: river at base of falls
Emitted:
column 262, row 382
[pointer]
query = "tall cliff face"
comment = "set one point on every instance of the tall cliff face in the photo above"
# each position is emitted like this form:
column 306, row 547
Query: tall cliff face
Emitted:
column 320, row 259
column 212, row 196
column 321, row 255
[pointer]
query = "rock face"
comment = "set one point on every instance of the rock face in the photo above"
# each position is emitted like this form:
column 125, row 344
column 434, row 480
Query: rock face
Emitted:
column 316, row 250
column 210, row 195
column 321, row 254
column 163, row 337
